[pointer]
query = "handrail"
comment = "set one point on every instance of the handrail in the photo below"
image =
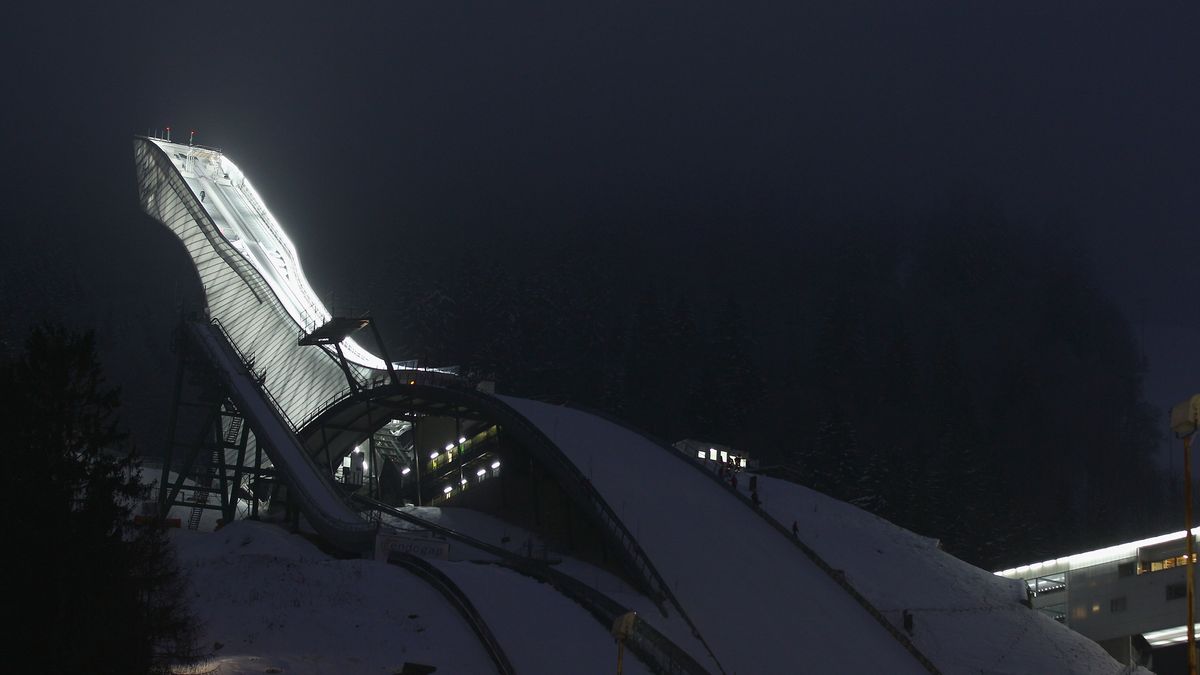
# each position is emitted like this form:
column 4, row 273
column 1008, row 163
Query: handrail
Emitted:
column 324, row 521
column 450, row 590
column 646, row 641
column 835, row 575
column 624, row 535
column 325, row 405
column 641, row 569
column 246, row 363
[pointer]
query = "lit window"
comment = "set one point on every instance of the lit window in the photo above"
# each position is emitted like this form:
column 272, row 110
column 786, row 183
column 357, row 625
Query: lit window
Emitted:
column 743, row 463
column 712, row 454
column 702, row 455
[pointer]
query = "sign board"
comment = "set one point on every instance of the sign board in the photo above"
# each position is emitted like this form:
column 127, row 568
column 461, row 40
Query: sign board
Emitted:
column 622, row 626
column 1185, row 417
column 423, row 547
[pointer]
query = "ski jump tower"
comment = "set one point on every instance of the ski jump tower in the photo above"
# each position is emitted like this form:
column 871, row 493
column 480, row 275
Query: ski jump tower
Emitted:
column 282, row 395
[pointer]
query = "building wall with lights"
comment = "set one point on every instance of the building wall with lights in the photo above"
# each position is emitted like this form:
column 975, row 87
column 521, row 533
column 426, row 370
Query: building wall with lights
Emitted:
column 715, row 452
column 1113, row 594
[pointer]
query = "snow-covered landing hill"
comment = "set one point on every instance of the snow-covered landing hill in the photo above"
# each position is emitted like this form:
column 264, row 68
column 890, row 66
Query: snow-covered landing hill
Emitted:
column 275, row 603
column 966, row 620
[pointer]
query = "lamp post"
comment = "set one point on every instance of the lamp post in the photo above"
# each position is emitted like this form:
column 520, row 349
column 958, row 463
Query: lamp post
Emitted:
column 1185, row 417
column 622, row 627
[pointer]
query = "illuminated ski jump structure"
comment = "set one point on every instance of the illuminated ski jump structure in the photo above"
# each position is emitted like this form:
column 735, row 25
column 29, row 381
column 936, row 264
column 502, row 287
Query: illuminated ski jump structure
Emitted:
column 351, row 437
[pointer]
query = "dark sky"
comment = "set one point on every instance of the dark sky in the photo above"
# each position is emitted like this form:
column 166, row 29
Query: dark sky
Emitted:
column 422, row 129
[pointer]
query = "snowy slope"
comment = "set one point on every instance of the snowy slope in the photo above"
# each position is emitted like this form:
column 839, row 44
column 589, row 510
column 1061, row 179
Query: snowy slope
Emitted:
column 276, row 602
column 761, row 604
column 541, row 630
column 966, row 620
column 504, row 535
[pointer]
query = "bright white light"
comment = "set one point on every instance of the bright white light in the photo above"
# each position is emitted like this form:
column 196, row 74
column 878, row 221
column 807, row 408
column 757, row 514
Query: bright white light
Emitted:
column 358, row 449
column 712, row 454
column 462, row 439
column 1089, row 558
column 702, row 454
column 433, row 455
column 1157, row 638
column 481, row 472
column 285, row 277
column 743, row 463
column 449, row 447
column 447, row 489
column 496, row 464
column 364, row 465
column 405, row 471
column 724, row 456
column 463, row 481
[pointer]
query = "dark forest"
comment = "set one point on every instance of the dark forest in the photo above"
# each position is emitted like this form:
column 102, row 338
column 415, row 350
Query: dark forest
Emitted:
column 969, row 382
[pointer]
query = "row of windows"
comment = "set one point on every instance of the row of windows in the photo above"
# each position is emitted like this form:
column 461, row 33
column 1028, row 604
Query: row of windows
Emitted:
column 1173, row 592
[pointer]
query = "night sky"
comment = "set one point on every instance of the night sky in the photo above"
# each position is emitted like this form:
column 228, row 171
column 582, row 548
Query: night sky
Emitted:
column 711, row 137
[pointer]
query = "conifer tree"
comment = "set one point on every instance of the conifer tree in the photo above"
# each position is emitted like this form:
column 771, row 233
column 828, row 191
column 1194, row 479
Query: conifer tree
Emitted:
column 100, row 594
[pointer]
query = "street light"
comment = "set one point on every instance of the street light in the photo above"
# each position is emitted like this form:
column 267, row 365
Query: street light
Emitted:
column 1185, row 417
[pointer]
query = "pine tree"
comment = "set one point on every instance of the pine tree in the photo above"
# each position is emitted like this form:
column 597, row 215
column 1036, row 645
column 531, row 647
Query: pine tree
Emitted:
column 102, row 595
column 721, row 406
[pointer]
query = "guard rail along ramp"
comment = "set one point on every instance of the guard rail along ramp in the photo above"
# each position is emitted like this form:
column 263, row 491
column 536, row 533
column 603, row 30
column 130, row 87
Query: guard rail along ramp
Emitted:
column 450, row 590
column 646, row 642
column 318, row 498
column 719, row 555
column 838, row 578
column 577, row 486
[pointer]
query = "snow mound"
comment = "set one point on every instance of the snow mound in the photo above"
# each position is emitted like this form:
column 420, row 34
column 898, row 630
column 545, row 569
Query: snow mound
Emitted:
column 965, row 619
column 272, row 602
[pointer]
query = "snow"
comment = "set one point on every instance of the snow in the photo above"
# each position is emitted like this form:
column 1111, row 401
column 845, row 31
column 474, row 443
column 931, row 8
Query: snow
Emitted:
column 966, row 620
column 542, row 631
column 760, row 603
column 239, row 213
column 499, row 533
column 273, row 601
